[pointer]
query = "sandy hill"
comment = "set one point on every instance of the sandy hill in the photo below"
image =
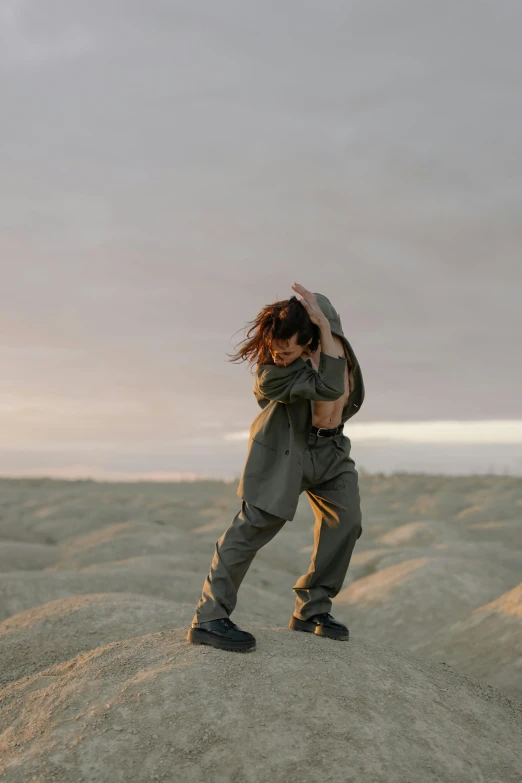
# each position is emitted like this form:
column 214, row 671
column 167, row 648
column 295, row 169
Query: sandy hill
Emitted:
column 487, row 643
column 99, row 582
column 299, row 708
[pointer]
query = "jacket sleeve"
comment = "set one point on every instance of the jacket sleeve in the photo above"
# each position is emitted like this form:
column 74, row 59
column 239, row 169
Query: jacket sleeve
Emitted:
column 299, row 379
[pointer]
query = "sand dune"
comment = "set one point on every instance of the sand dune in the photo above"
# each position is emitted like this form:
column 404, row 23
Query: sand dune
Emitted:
column 152, row 707
column 402, row 603
column 121, row 540
column 487, row 644
column 25, row 556
column 99, row 582
column 68, row 626
column 23, row 590
column 413, row 533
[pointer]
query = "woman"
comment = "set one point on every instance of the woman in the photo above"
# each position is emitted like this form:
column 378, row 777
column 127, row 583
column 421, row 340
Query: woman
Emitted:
column 308, row 383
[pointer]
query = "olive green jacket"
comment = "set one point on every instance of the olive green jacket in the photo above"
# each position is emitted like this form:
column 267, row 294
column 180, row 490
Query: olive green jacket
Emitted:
column 273, row 470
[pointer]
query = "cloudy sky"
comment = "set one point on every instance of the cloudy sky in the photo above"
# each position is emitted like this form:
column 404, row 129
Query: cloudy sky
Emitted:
column 170, row 167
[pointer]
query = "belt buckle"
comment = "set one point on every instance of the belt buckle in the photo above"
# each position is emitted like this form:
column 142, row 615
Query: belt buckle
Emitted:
column 318, row 433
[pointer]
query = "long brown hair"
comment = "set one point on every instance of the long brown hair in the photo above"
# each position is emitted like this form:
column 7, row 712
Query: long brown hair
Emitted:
column 277, row 321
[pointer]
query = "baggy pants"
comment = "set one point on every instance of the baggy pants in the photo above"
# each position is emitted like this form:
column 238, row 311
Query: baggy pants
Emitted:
column 330, row 480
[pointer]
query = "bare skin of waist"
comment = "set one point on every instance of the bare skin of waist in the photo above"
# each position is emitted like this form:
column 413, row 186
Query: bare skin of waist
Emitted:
column 328, row 413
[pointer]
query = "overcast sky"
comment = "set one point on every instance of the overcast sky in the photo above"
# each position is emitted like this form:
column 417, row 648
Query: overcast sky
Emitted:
column 167, row 168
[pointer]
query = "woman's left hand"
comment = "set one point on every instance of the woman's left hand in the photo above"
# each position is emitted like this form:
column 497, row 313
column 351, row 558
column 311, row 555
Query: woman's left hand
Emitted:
column 311, row 305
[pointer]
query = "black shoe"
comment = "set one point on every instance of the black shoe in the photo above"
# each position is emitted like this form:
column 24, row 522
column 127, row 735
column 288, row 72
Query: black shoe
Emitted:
column 321, row 624
column 222, row 633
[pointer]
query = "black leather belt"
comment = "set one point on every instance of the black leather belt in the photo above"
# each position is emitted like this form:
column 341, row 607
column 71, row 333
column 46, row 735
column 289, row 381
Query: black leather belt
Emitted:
column 325, row 432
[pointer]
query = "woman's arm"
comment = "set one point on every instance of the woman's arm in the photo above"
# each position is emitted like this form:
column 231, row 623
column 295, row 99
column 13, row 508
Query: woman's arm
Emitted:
column 298, row 379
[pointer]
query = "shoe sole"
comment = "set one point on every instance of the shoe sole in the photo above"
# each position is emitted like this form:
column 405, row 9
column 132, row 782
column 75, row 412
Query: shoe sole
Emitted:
column 319, row 630
column 200, row 636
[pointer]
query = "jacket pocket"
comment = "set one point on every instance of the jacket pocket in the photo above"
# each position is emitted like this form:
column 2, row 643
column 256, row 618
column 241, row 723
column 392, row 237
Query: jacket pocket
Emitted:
column 261, row 460
column 265, row 445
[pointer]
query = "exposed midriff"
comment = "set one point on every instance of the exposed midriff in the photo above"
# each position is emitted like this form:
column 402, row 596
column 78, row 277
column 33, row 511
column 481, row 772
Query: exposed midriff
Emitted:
column 328, row 413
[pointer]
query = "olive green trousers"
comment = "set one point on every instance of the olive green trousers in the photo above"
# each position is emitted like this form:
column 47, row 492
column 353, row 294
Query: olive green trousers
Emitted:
column 330, row 481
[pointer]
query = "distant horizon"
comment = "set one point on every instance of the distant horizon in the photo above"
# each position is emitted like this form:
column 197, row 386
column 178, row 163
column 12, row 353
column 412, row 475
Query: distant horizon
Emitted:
column 144, row 479
column 438, row 447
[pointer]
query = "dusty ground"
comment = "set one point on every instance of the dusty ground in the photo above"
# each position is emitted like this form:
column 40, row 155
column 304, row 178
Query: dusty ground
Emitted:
column 98, row 584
